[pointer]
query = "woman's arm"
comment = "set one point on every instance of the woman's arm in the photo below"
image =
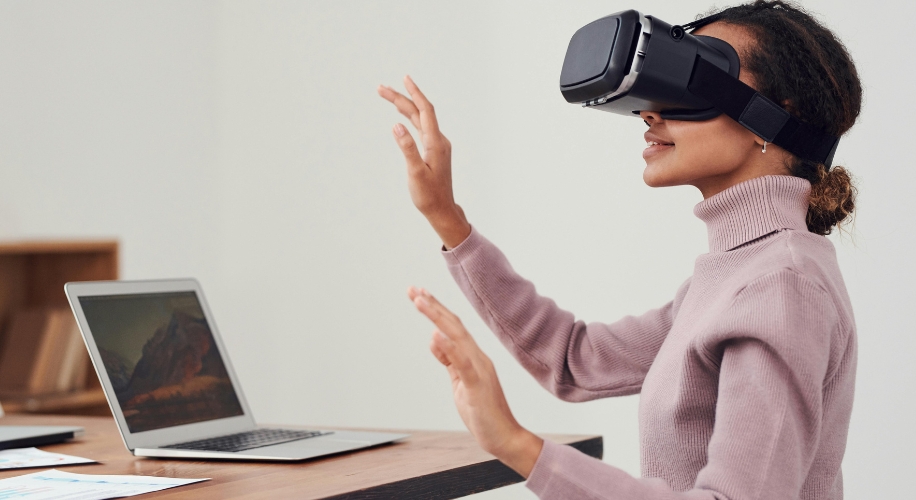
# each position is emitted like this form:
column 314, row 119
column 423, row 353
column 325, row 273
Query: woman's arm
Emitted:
column 574, row 360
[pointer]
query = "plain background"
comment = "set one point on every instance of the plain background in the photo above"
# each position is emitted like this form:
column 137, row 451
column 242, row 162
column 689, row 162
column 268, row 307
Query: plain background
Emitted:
column 243, row 143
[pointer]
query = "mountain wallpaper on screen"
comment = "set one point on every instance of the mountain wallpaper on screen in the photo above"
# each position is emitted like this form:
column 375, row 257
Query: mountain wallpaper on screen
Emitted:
column 179, row 378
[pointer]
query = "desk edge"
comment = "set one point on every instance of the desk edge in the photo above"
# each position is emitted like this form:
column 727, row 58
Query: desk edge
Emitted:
column 461, row 481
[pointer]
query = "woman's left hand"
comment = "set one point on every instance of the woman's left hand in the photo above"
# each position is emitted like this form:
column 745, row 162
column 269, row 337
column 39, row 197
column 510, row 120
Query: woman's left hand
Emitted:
column 478, row 394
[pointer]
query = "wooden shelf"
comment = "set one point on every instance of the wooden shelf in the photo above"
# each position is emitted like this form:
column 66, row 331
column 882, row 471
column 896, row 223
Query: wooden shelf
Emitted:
column 32, row 275
column 88, row 402
column 30, row 247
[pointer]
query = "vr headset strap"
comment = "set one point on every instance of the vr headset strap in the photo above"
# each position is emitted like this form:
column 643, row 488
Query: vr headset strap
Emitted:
column 760, row 115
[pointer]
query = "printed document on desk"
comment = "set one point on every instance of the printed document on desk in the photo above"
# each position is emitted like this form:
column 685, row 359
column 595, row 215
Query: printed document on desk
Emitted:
column 22, row 458
column 55, row 484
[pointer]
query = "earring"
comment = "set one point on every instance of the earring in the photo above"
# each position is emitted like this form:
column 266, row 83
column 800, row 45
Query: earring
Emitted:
column 764, row 147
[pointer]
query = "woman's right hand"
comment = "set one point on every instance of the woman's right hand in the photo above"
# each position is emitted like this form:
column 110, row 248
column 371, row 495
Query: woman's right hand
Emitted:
column 429, row 177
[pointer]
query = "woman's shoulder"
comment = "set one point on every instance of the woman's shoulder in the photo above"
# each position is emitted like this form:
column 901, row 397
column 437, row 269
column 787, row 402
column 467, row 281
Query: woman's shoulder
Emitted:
column 813, row 257
column 786, row 284
column 810, row 256
column 800, row 263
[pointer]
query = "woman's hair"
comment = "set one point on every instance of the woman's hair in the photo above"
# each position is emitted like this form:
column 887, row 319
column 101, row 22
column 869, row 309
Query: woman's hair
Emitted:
column 800, row 63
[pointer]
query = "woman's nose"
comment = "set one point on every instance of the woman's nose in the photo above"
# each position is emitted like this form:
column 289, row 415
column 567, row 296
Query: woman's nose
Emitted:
column 651, row 117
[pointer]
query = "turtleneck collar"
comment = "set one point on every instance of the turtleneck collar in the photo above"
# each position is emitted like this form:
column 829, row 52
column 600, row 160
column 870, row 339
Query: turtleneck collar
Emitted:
column 754, row 208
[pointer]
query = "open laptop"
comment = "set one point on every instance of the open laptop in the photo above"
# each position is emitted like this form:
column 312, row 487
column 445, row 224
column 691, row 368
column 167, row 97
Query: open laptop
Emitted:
column 169, row 381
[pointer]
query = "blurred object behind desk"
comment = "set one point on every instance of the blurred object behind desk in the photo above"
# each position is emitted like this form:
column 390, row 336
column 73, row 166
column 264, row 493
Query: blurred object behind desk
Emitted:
column 428, row 465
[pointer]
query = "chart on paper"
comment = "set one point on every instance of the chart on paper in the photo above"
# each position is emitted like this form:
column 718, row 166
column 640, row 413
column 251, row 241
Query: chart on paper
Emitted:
column 23, row 458
column 58, row 485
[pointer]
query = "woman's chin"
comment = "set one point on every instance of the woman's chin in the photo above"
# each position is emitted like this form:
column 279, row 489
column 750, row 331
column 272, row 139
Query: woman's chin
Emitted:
column 655, row 175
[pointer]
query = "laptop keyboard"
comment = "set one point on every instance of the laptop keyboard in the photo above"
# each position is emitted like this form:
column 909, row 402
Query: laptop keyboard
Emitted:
column 247, row 440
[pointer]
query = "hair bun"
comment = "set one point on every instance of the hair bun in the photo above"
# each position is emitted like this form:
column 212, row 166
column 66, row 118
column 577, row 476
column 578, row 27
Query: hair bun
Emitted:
column 832, row 200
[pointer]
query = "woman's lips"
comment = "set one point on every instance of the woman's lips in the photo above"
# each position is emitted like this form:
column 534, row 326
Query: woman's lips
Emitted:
column 655, row 148
column 655, row 144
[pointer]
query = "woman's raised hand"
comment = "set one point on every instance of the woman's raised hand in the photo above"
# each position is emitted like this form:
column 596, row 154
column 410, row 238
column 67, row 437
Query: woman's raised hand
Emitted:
column 429, row 176
column 477, row 391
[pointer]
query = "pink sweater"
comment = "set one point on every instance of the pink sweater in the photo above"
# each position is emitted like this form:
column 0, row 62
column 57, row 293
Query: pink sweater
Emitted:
column 746, row 377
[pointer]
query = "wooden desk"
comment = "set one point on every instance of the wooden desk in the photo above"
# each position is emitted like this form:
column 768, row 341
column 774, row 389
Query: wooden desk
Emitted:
column 427, row 465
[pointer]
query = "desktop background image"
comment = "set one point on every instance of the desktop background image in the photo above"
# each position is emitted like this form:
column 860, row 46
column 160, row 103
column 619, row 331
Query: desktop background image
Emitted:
column 161, row 358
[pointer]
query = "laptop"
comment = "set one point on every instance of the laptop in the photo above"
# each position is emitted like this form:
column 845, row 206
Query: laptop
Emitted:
column 24, row 436
column 169, row 382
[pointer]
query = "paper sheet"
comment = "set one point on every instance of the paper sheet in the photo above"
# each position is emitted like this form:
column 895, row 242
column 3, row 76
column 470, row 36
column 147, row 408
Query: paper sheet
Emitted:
column 57, row 485
column 33, row 457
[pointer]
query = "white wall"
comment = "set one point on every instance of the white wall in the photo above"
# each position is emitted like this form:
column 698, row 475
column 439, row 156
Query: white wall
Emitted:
column 108, row 127
column 243, row 143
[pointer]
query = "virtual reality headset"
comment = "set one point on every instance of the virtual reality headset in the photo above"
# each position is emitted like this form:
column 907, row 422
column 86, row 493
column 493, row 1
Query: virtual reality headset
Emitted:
column 628, row 62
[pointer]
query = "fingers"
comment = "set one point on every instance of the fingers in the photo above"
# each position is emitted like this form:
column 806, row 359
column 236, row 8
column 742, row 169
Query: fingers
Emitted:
column 454, row 356
column 403, row 104
column 414, row 292
column 408, row 147
column 427, row 112
column 440, row 355
column 451, row 344
column 420, row 112
column 446, row 320
column 424, row 306
column 438, row 352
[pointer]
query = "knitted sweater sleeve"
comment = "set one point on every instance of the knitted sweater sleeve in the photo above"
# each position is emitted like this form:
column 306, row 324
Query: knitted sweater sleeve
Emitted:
column 573, row 360
column 773, row 350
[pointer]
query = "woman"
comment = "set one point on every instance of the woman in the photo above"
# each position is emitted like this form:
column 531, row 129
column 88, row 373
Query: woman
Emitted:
column 746, row 377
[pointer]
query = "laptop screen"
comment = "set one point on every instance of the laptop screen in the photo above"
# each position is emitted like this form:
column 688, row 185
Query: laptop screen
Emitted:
column 161, row 358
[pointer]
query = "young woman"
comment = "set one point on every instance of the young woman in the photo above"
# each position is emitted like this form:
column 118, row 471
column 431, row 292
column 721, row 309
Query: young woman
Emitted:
column 746, row 377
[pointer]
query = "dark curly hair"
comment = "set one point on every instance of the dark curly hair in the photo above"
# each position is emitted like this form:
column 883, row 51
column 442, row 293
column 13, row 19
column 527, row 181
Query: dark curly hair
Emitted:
column 800, row 63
